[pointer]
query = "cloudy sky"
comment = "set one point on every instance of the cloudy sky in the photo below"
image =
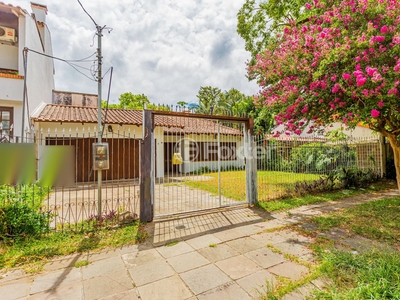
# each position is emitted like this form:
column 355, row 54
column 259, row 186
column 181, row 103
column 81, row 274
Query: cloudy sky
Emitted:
column 165, row 49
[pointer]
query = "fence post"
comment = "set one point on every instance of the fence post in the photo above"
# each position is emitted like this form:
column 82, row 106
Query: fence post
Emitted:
column 251, row 164
column 146, row 168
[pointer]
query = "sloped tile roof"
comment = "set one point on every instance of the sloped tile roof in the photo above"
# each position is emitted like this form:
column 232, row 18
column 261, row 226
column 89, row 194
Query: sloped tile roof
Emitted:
column 172, row 125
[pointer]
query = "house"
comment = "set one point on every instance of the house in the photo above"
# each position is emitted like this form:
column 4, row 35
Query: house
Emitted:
column 18, row 30
column 196, row 140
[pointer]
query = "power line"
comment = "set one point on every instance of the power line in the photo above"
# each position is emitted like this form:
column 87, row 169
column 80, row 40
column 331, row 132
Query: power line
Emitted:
column 88, row 14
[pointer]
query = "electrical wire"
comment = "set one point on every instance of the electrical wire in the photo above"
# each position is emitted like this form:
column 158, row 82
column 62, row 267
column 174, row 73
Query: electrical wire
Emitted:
column 88, row 13
column 108, row 98
column 69, row 62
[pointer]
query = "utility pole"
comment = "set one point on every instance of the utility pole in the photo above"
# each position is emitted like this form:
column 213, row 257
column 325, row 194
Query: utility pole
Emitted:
column 99, row 123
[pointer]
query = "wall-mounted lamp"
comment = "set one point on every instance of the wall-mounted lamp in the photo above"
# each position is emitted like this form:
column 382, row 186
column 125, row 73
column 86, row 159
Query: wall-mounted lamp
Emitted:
column 109, row 128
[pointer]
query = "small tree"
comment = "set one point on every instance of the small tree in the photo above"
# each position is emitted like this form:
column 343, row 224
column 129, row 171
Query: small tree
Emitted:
column 340, row 63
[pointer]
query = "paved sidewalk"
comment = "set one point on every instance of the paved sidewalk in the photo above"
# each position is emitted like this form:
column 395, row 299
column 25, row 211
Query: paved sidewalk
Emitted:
column 223, row 254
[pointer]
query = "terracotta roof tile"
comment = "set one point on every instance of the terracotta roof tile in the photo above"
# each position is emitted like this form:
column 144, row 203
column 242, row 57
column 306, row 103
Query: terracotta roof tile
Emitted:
column 172, row 125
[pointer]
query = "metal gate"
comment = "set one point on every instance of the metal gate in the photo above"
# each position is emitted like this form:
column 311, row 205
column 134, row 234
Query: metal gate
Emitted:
column 197, row 162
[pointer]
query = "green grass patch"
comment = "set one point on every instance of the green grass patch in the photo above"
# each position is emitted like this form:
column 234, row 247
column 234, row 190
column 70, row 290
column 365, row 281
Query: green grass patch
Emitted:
column 372, row 274
column 378, row 220
column 33, row 252
column 81, row 263
column 271, row 184
column 170, row 244
column 293, row 202
column 212, row 245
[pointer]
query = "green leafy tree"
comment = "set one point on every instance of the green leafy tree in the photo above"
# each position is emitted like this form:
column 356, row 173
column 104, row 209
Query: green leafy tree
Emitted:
column 340, row 64
column 210, row 100
column 134, row 101
column 259, row 22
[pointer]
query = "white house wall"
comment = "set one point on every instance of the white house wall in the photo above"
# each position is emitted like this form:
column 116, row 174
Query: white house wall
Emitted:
column 9, row 57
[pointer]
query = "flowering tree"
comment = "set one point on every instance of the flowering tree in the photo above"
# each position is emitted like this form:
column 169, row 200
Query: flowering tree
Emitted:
column 342, row 64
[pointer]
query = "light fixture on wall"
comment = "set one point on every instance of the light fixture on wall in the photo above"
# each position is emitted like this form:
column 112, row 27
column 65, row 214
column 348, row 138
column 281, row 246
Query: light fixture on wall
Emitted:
column 110, row 129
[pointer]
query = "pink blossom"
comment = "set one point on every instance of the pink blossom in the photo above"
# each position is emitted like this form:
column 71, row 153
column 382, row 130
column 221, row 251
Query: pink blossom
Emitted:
column 384, row 29
column 393, row 91
column 379, row 38
column 350, row 114
column 333, row 78
column 344, row 120
column 298, row 131
column 276, row 134
column 304, row 110
column 286, row 30
column 381, row 104
column 361, row 81
column 365, row 92
column 346, row 76
column 371, row 71
column 375, row 113
column 358, row 73
column 320, row 100
column 308, row 6
column 336, row 88
column 396, row 40
column 333, row 106
column 287, row 132
column 358, row 67
column 357, row 58
column 377, row 77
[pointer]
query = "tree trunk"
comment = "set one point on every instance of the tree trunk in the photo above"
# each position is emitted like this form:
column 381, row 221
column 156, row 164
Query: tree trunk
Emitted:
column 396, row 152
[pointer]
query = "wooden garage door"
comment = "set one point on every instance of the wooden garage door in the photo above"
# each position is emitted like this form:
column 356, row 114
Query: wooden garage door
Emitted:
column 124, row 158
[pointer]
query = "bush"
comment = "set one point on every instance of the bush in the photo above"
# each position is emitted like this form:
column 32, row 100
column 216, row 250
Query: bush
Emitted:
column 354, row 177
column 20, row 211
column 17, row 219
column 323, row 184
column 317, row 157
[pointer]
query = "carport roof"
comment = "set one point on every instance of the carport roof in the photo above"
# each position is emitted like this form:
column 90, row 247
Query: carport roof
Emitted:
column 172, row 125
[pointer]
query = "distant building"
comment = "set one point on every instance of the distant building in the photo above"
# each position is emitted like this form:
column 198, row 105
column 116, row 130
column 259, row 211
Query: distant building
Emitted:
column 75, row 99
column 19, row 29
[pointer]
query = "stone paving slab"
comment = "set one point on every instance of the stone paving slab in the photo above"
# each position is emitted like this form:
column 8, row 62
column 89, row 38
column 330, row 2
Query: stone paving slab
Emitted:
column 231, row 291
column 170, row 288
column 256, row 283
column 72, row 291
column 238, row 266
column 106, row 285
column 265, row 258
column 205, row 278
column 15, row 289
column 245, row 244
column 103, row 267
column 48, row 281
column 289, row 270
column 217, row 253
column 150, row 272
column 203, row 241
column 174, row 250
column 187, row 261
column 128, row 295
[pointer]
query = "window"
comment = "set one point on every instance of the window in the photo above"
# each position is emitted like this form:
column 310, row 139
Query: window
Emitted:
column 208, row 151
column 6, row 121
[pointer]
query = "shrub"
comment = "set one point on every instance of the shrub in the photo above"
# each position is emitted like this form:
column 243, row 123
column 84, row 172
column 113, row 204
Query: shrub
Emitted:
column 17, row 220
column 323, row 184
column 355, row 177
column 317, row 157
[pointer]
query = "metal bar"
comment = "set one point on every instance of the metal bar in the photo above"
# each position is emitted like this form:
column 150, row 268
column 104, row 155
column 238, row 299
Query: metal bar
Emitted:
column 146, row 211
column 219, row 162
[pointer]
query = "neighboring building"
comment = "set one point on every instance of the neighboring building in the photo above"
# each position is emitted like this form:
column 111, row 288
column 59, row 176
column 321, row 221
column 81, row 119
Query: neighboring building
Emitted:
column 194, row 139
column 75, row 99
column 19, row 29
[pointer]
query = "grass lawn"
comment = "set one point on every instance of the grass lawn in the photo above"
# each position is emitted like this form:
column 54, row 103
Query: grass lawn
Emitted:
column 273, row 186
column 372, row 274
column 270, row 184
column 32, row 253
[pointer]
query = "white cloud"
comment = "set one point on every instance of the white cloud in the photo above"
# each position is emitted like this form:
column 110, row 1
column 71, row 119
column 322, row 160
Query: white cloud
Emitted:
column 165, row 49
